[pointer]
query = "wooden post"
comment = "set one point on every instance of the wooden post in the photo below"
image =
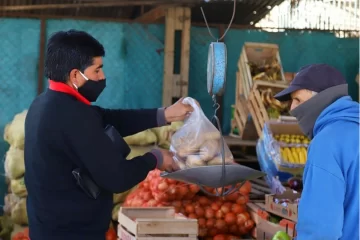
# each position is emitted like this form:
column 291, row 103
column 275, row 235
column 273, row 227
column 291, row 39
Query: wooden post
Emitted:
column 41, row 63
column 175, row 85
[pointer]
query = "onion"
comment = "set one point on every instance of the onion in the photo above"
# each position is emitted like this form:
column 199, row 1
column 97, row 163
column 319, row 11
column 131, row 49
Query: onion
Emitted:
column 220, row 224
column 237, row 208
column 225, row 209
column 210, row 223
column 219, row 214
column 241, row 218
column 215, row 206
column 199, row 211
column 202, row 222
column 230, row 218
column 189, row 208
column 163, row 186
column 249, row 224
column 209, row 213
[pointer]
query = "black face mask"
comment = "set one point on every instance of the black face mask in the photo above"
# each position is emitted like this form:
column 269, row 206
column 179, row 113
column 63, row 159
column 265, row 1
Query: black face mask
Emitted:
column 92, row 89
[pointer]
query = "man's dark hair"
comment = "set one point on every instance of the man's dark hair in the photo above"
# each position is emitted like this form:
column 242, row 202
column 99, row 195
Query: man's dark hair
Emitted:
column 70, row 50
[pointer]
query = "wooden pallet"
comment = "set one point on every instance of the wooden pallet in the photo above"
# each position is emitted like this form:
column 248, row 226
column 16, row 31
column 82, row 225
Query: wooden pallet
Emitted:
column 256, row 53
column 256, row 106
column 159, row 223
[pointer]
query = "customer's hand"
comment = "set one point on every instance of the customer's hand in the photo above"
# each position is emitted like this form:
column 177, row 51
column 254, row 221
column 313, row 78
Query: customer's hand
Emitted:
column 169, row 165
column 178, row 111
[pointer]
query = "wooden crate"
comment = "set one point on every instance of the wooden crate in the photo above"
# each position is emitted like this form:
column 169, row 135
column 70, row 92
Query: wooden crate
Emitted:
column 160, row 223
column 256, row 106
column 245, row 127
column 256, row 53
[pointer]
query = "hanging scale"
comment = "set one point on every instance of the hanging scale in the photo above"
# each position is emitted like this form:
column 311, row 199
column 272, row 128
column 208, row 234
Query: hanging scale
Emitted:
column 230, row 175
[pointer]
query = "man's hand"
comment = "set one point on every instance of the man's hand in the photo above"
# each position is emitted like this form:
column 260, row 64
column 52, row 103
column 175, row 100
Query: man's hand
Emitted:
column 169, row 164
column 178, row 111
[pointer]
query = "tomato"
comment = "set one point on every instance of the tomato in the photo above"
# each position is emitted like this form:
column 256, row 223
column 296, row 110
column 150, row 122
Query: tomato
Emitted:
column 111, row 234
column 163, row 186
column 194, row 188
column 243, row 199
column 192, row 215
column 202, row 232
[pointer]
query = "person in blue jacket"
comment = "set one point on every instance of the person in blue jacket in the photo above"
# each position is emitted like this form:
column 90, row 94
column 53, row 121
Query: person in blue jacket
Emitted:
column 329, row 204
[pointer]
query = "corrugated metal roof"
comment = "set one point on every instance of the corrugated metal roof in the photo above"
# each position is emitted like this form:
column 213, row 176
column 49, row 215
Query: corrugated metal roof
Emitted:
column 217, row 11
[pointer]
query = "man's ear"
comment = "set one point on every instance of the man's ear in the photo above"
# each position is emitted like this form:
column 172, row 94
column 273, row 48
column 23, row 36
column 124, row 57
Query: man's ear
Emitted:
column 73, row 76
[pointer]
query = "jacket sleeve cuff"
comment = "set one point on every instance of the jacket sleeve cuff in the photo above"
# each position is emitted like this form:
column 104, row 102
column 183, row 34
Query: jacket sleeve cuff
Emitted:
column 160, row 117
column 159, row 158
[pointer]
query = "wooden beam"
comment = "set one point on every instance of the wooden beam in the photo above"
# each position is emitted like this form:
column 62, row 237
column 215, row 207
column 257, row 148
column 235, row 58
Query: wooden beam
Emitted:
column 90, row 5
column 185, row 53
column 152, row 15
column 169, row 52
column 42, row 43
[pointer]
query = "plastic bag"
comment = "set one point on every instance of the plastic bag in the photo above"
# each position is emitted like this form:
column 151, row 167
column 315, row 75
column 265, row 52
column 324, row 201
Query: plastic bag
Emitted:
column 165, row 133
column 198, row 142
column 287, row 150
column 14, row 163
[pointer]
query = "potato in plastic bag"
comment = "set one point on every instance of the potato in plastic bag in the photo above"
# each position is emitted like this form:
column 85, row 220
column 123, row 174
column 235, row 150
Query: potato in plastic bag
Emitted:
column 15, row 132
column 198, row 141
column 14, row 163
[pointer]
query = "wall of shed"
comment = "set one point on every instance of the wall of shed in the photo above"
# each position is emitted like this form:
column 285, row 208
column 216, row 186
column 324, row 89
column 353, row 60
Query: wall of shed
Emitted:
column 134, row 63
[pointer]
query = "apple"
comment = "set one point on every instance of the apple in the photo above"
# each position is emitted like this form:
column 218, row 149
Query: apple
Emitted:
column 280, row 235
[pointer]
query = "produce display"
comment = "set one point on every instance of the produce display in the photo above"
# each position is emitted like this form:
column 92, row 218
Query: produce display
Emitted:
column 198, row 142
column 274, row 107
column 293, row 148
column 222, row 218
column 268, row 70
column 15, row 200
column 292, row 139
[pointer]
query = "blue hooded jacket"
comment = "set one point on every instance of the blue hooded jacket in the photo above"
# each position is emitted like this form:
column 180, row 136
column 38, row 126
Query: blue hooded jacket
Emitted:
column 329, row 205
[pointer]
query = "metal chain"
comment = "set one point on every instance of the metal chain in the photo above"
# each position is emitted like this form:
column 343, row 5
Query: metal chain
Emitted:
column 231, row 21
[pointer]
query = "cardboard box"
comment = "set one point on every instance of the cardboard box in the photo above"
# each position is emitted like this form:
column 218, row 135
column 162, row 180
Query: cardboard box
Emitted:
column 289, row 211
column 265, row 230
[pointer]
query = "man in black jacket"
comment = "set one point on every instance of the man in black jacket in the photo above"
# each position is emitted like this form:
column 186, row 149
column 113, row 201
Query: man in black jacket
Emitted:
column 63, row 132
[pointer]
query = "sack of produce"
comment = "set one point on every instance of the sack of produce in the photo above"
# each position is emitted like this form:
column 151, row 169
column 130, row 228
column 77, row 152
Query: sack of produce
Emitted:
column 120, row 197
column 15, row 131
column 10, row 201
column 198, row 142
column 115, row 211
column 139, row 151
column 19, row 214
column 18, row 187
column 6, row 228
column 14, row 163
column 143, row 138
column 165, row 133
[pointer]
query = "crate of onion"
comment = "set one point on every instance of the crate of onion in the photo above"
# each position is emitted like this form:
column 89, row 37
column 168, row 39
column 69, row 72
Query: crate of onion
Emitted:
column 217, row 217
